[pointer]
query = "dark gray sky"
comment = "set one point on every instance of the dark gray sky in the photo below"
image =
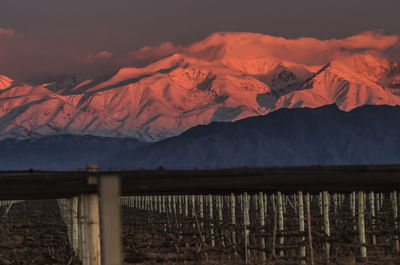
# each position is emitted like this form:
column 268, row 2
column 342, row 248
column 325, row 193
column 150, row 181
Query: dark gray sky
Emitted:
column 46, row 38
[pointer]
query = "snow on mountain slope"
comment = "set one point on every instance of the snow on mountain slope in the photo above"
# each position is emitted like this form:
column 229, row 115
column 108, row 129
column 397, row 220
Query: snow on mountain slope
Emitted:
column 27, row 111
column 349, row 84
column 225, row 77
column 5, row 82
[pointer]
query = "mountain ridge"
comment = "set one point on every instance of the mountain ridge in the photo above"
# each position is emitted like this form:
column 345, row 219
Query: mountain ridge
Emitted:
column 215, row 79
column 287, row 137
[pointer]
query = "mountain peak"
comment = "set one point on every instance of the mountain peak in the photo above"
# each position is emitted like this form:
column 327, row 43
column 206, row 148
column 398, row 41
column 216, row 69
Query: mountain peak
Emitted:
column 5, row 82
column 225, row 77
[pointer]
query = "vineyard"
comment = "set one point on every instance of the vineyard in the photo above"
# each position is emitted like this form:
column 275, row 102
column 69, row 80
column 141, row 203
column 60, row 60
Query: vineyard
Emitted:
column 259, row 228
column 202, row 217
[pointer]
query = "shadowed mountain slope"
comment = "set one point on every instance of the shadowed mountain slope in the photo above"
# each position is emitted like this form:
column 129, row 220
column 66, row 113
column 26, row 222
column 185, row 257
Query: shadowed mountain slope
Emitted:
column 287, row 137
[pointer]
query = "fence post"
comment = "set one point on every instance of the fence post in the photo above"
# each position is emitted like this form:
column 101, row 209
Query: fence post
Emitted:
column 220, row 205
column 280, row 224
column 326, row 224
column 301, row 225
column 193, row 199
column 110, row 219
column 361, row 225
column 75, row 225
column 310, row 244
column 93, row 222
column 353, row 207
column 233, row 219
column 201, row 212
column 246, row 223
column 211, row 215
column 83, row 250
column 372, row 207
column 396, row 223
column 262, row 225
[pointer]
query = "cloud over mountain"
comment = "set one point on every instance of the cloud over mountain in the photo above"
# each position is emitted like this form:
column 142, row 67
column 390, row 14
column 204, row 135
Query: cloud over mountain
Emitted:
column 225, row 77
column 92, row 57
column 303, row 50
column 6, row 32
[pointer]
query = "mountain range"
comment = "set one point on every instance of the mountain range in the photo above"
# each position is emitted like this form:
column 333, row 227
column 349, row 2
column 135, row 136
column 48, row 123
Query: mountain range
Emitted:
column 286, row 137
column 214, row 82
column 61, row 152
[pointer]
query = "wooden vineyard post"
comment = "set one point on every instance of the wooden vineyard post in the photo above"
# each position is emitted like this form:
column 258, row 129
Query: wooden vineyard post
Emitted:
column 353, row 207
column 295, row 203
column 180, row 202
column 163, row 204
column 372, row 207
column 275, row 223
column 211, row 215
column 93, row 221
column 160, row 204
column 179, row 215
column 361, row 225
column 168, row 211
column 301, row 225
column 377, row 203
column 75, row 225
column 164, row 211
column 82, row 229
column 284, row 203
column 193, row 199
column 174, row 211
column 246, row 223
column 266, row 204
column 220, row 206
column 110, row 217
column 340, row 201
column 335, row 203
column 326, row 225
column 280, row 224
column 233, row 219
column 201, row 208
column 395, row 216
column 174, row 207
column 320, row 204
column 262, row 225
column 335, row 208
column 186, row 199
column 310, row 244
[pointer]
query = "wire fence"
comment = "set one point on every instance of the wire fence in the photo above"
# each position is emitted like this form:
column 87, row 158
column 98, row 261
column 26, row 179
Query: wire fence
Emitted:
column 256, row 226
column 32, row 232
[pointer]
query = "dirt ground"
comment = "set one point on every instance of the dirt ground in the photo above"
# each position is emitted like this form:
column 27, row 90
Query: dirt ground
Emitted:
column 33, row 233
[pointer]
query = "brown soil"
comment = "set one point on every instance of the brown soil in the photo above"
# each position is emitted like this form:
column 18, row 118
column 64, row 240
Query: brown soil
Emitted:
column 33, row 233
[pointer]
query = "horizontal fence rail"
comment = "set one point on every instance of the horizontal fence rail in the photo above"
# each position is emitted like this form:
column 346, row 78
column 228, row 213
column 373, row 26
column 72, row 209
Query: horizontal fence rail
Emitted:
column 313, row 215
column 47, row 184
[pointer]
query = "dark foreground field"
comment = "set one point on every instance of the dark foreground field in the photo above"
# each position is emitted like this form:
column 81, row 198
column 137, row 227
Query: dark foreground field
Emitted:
column 148, row 240
column 32, row 232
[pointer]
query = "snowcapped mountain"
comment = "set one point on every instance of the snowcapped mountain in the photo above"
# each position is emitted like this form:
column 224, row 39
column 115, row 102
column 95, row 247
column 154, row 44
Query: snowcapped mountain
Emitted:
column 225, row 77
